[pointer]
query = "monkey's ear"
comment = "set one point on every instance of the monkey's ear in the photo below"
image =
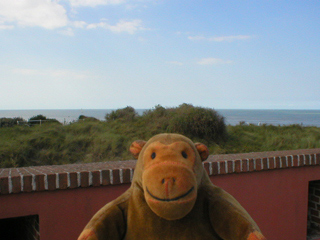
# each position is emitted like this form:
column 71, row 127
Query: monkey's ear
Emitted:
column 136, row 147
column 202, row 150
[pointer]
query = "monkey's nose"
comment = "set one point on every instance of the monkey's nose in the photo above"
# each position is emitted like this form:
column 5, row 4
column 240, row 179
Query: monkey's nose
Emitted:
column 168, row 180
column 168, row 184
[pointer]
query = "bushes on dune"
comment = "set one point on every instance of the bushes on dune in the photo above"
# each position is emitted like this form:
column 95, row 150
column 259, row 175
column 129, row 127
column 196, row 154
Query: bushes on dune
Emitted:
column 35, row 120
column 40, row 119
column 194, row 122
column 91, row 140
column 10, row 122
column 198, row 123
column 125, row 114
column 85, row 118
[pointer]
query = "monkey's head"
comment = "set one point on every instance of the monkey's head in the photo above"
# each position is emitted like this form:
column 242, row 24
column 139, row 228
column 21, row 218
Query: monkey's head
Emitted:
column 169, row 169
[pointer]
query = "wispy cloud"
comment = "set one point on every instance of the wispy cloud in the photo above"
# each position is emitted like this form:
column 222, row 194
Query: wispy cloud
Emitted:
column 26, row 71
column 177, row 63
column 213, row 61
column 55, row 73
column 94, row 3
column 4, row 26
column 67, row 32
column 220, row 38
column 197, row 38
column 130, row 27
column 79, row 24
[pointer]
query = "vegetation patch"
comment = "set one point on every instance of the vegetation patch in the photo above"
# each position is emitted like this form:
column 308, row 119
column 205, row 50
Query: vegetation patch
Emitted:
column 92, row 140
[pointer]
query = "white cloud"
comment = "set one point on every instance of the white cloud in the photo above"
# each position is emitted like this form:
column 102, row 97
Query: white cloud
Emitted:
column 127, row 26
column 79, row 24
column 97, row 25
column 213, row 61
column 68, row 32
column 43, row 13
column 93, row 3
column 221, row 38
column 231, row 38
column 122, row 26
column 6, row 27
column 50, row 14
column 196, row 38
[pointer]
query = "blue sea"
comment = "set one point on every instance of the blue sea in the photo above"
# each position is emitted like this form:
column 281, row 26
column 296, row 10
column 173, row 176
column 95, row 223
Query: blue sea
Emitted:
column 232, row 116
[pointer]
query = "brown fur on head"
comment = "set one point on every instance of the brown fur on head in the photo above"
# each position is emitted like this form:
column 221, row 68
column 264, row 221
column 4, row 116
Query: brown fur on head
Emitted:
column 169, row 170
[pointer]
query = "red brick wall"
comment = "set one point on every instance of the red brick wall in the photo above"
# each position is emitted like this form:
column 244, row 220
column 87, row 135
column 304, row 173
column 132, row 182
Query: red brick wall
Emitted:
column 272, row 186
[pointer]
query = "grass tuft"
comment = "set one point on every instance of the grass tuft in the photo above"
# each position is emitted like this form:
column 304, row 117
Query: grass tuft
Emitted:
column 91, row 140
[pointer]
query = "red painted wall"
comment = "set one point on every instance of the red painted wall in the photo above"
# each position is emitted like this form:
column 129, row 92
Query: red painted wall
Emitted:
column 62, row 214
column 276, row 199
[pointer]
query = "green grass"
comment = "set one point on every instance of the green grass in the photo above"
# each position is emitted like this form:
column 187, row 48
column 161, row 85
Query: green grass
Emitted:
column 254, row 138
column 94, row 141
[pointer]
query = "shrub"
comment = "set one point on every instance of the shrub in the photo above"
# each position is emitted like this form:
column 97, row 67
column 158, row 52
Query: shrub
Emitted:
column 126, row 114
column 155, row 113
column 40, row 119
column 198, row 123
column 85, row 118
column 194, row 122
column 10, row 122
column 155, row 121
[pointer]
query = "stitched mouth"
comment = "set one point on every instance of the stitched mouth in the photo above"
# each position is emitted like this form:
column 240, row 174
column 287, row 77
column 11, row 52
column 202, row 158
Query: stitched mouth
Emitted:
column 170, row 199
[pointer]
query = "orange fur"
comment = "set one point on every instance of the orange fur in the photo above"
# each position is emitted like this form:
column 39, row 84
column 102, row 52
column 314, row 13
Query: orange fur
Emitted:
column 136, row 147
column 87, row 234
column 171, row 197
column 256, row 236
column 203, row 150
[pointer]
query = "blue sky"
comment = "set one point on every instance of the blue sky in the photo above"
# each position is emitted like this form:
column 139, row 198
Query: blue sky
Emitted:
column 102, row 54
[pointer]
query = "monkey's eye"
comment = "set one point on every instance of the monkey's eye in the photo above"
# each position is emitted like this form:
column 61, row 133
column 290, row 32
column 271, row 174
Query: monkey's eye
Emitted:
column 153, row 155
column 184, row 154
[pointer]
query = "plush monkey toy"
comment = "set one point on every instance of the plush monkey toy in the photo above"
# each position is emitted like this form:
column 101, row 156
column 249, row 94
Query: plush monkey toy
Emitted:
column 171, row 198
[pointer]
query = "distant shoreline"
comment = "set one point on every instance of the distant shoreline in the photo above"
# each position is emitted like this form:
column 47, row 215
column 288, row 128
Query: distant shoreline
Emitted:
column 232, row 116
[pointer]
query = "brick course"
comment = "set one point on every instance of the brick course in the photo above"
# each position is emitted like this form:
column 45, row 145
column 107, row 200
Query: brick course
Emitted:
column 49, row 178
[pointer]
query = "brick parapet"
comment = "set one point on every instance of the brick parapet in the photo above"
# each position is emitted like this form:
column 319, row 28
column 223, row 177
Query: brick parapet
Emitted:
column 69, row 176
